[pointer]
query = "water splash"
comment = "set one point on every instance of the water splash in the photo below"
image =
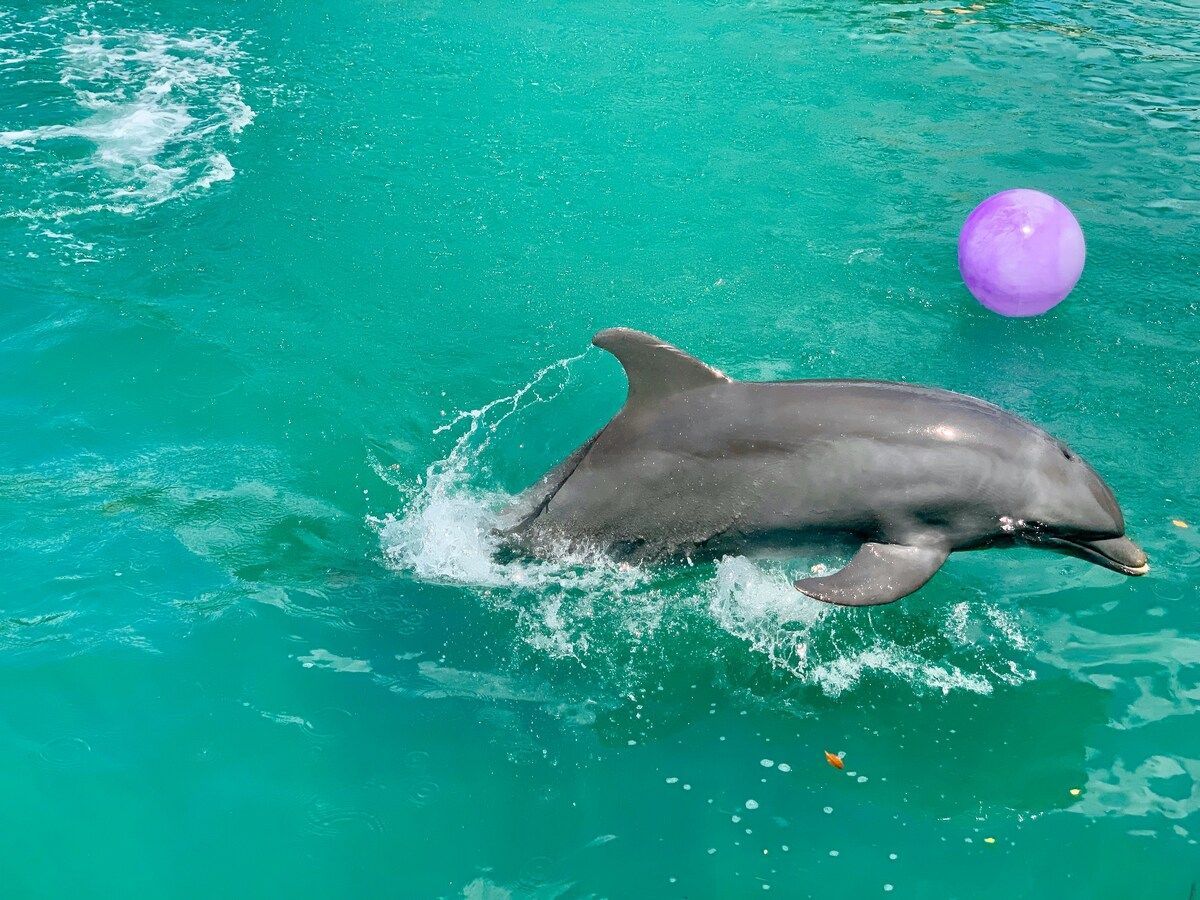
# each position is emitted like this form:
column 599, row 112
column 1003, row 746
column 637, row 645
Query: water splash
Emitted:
column 836, row 649
column 445, row 532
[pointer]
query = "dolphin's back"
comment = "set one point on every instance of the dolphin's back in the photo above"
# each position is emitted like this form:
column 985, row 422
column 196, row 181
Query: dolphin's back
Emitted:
column 730, row 460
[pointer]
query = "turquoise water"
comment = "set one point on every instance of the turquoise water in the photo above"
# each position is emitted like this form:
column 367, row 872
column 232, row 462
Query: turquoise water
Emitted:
column 295, row 294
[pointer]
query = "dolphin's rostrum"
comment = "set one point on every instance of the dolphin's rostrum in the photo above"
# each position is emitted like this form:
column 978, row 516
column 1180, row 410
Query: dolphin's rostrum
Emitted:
column 697, row 463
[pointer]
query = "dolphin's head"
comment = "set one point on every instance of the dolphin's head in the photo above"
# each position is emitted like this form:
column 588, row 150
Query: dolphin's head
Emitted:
column 1073, row 511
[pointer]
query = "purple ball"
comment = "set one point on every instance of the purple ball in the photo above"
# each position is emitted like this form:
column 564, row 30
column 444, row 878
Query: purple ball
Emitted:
column 1020, row 252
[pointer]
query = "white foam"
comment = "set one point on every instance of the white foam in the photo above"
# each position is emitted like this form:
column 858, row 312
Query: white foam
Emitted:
column 219, row 169
column 156, row 111
column 761, row 606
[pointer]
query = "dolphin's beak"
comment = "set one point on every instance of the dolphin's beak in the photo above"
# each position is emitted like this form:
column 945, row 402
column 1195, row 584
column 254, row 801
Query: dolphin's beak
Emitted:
column 1119, row 554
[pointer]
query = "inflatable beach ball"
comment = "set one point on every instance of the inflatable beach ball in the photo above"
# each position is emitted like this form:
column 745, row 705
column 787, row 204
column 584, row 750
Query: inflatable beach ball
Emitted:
column 1020, row 252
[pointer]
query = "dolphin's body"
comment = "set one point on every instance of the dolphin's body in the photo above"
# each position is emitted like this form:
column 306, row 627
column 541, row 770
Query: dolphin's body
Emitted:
column 696, row 463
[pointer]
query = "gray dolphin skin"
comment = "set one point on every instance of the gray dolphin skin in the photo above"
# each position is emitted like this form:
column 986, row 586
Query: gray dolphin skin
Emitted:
column 696, row 463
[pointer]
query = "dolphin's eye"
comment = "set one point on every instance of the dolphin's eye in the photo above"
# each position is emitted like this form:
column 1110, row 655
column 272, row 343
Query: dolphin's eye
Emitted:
column 1067, row 454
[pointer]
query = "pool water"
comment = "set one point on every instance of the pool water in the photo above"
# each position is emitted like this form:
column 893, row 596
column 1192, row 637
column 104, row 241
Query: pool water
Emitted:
column 296, row 294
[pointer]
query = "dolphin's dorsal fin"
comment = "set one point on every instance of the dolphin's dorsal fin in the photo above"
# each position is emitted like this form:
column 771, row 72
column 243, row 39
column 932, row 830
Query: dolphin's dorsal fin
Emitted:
column 654, row 368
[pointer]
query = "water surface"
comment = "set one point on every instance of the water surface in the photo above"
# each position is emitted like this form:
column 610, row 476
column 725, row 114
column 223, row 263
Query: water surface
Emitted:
column 295, row 295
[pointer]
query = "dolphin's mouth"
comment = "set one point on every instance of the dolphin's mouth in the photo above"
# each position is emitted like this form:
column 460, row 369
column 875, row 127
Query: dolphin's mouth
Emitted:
column 1119, row 554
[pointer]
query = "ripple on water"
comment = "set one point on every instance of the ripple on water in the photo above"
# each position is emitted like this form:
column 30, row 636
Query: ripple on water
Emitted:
column 1159, row 785
column 417, row 758
column 329, row 721
column 1151, row 675
column 24, row 632
column 329, row 820
column 424, row 792
column 66, row 752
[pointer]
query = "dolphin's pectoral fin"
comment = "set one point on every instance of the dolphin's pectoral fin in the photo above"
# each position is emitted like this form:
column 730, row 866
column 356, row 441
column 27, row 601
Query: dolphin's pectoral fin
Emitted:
column 878, row 573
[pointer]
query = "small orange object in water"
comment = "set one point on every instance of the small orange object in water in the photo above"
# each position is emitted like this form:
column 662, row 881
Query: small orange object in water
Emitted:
column 1179, row 523
column 835, row 761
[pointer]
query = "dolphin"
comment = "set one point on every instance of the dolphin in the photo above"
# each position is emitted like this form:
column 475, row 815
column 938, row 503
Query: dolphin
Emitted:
column 696, row 463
